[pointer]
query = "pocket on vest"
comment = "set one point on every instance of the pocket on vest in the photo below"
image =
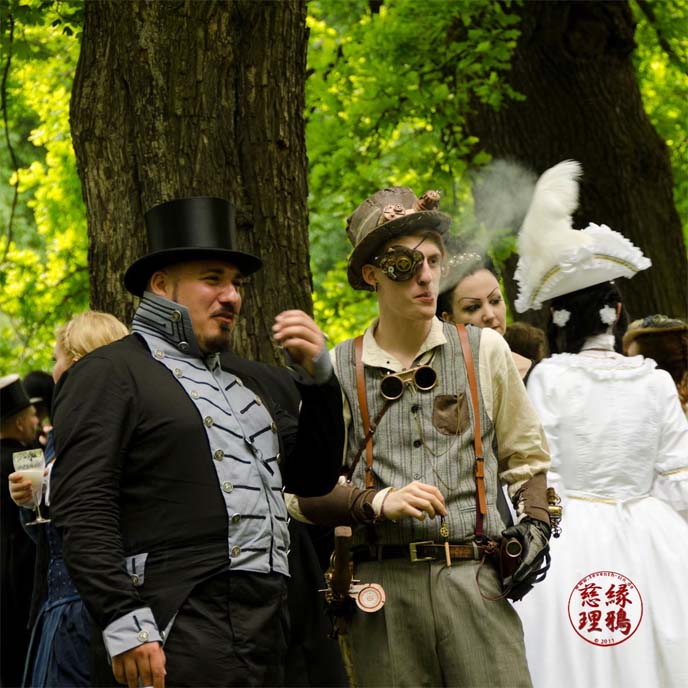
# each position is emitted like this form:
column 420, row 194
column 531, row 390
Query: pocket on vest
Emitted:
column 450, row 414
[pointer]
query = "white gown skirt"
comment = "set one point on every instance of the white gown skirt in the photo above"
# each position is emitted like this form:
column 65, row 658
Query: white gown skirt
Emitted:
column 613, row 610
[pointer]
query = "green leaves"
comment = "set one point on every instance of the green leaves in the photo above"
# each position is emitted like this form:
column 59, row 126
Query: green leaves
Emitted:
column 387, row 96
column 44, row 271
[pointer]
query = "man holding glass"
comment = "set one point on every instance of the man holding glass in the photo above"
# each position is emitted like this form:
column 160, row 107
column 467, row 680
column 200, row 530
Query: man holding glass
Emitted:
column 172, row 464
column 18, row 425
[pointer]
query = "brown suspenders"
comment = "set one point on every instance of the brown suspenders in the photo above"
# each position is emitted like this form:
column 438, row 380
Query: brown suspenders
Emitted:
column 480, row 500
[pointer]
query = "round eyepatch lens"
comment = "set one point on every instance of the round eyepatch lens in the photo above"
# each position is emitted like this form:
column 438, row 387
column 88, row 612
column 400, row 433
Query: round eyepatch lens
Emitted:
column 400, row 263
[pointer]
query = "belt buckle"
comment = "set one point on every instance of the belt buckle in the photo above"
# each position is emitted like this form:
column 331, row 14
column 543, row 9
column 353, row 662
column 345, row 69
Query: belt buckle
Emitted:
column 413, row 550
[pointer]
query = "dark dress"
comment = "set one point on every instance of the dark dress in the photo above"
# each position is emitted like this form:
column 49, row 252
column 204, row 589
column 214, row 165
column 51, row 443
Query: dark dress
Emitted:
column 16, row 578
column 59, row 651
column 59, row 654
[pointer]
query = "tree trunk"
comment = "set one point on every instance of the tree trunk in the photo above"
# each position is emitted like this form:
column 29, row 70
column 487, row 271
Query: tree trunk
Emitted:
column 573, row 64
column 175, row 99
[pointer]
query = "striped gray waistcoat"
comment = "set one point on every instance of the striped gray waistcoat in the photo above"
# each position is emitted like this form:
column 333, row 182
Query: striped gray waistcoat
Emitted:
column 425, row 436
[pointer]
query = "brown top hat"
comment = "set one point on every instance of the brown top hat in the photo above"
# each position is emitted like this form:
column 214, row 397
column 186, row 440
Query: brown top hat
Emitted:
column 13, row 396
column 388, row 213
column 653, row 324
column 198, row 228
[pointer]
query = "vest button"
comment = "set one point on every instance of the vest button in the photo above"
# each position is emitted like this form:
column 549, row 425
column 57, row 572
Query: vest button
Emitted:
column 259, row 401
column 236, row 518
column 183, row 346
column 208, row 421
column 194, row 394
column 417, row 443
column 178, row 372
column 175, row 316
column 218, row 455
column 235, row 551
column 227, row 486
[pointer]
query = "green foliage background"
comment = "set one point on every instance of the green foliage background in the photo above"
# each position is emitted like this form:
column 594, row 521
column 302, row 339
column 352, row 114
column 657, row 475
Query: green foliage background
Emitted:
column 380, row 111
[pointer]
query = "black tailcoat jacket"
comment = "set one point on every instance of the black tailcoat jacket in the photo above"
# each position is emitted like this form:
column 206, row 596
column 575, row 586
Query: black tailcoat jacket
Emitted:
column 134, row 473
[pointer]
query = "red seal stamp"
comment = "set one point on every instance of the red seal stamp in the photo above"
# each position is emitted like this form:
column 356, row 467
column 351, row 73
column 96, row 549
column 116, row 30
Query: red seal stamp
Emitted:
column 605, row 608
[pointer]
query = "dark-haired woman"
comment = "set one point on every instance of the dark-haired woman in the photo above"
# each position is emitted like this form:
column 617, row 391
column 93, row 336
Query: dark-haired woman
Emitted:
column 470, row 294
column 617, row 435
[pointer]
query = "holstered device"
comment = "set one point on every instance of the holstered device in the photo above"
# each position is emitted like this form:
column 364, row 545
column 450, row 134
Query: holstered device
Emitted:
column 343, row 593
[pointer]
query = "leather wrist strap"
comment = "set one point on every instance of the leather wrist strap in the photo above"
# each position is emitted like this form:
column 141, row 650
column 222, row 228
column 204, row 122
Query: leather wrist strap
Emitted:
column 480, row 500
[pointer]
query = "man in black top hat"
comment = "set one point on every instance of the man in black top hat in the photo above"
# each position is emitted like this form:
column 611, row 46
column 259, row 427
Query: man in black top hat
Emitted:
column 173, row 459
column 18, row 423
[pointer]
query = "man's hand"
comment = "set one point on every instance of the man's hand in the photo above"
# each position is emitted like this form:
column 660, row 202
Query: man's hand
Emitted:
column 146, row 661
column 20, row 490
column 297, row 332
column 415, row 499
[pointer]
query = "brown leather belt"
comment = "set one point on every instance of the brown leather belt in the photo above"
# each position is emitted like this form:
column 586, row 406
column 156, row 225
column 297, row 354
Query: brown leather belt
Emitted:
column 426, row 550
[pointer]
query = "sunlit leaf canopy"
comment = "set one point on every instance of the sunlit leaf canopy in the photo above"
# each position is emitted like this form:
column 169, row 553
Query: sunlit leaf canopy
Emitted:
column 380, row 111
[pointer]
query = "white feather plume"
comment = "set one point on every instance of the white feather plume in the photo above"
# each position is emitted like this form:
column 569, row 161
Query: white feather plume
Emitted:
column 556, row 259
column 548, row 220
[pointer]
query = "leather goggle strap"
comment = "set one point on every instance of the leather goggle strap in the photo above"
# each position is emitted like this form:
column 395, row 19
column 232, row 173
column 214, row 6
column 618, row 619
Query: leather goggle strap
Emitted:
column 363, row 405
column 481, row 502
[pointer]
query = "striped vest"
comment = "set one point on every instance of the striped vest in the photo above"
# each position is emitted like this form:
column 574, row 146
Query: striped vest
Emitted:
column 425, row 436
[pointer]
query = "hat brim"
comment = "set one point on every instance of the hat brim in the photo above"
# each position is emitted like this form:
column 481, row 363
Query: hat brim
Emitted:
column 422, row 221
column 12, row 410
column 639, row 331
column 139, row 272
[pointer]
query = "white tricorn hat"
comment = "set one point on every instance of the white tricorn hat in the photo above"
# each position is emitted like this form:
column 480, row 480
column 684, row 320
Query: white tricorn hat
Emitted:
column 554, row 258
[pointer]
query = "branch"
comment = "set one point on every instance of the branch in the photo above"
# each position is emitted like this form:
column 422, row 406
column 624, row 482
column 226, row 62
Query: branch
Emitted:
column 15, row 166
column 647, row 10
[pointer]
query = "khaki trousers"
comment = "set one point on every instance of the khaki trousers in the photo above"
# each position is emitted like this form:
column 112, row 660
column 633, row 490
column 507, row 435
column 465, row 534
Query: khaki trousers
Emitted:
column 436, row 630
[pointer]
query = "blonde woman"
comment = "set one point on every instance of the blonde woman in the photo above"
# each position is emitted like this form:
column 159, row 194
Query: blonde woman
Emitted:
column 59, row 652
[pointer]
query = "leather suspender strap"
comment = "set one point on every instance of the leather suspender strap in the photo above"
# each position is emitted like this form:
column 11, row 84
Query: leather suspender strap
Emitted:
column 363, row 405
column 481, row 502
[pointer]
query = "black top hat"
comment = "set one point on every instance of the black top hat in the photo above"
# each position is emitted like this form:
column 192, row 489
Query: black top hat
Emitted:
column 184, row 229
column 40, row 386
column 13, row 396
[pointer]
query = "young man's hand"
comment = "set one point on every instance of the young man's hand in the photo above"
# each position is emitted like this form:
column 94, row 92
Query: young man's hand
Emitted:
column 416, row 499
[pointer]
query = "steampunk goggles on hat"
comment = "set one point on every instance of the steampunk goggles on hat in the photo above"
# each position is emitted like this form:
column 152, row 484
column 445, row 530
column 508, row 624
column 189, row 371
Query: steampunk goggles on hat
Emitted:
column 400, row 263
column 422, row 377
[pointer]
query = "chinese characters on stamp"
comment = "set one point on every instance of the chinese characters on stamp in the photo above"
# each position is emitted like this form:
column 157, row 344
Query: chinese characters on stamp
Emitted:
column 605, row 608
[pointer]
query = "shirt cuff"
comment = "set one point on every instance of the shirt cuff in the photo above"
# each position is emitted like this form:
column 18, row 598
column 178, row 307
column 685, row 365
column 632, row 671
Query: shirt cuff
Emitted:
column 131, row 630
column 322, row 369
column 377, row 501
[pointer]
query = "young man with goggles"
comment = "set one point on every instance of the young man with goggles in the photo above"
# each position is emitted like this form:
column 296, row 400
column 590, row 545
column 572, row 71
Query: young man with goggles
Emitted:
column 413, row 495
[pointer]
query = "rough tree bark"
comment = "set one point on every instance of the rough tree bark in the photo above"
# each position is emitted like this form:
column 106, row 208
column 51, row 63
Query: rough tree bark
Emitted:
column 175, row 99
column 573, row 64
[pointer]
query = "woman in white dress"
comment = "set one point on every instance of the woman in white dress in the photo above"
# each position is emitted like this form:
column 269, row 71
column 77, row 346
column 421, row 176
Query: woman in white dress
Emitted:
column 613, row 610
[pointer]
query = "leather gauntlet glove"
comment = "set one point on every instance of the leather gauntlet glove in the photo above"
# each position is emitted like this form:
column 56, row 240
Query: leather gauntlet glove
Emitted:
column 534, row 538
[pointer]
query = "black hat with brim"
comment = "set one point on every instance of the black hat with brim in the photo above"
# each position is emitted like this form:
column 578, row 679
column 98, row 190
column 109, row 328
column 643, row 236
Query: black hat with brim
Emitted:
column 13, row 397
column 186, row 229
